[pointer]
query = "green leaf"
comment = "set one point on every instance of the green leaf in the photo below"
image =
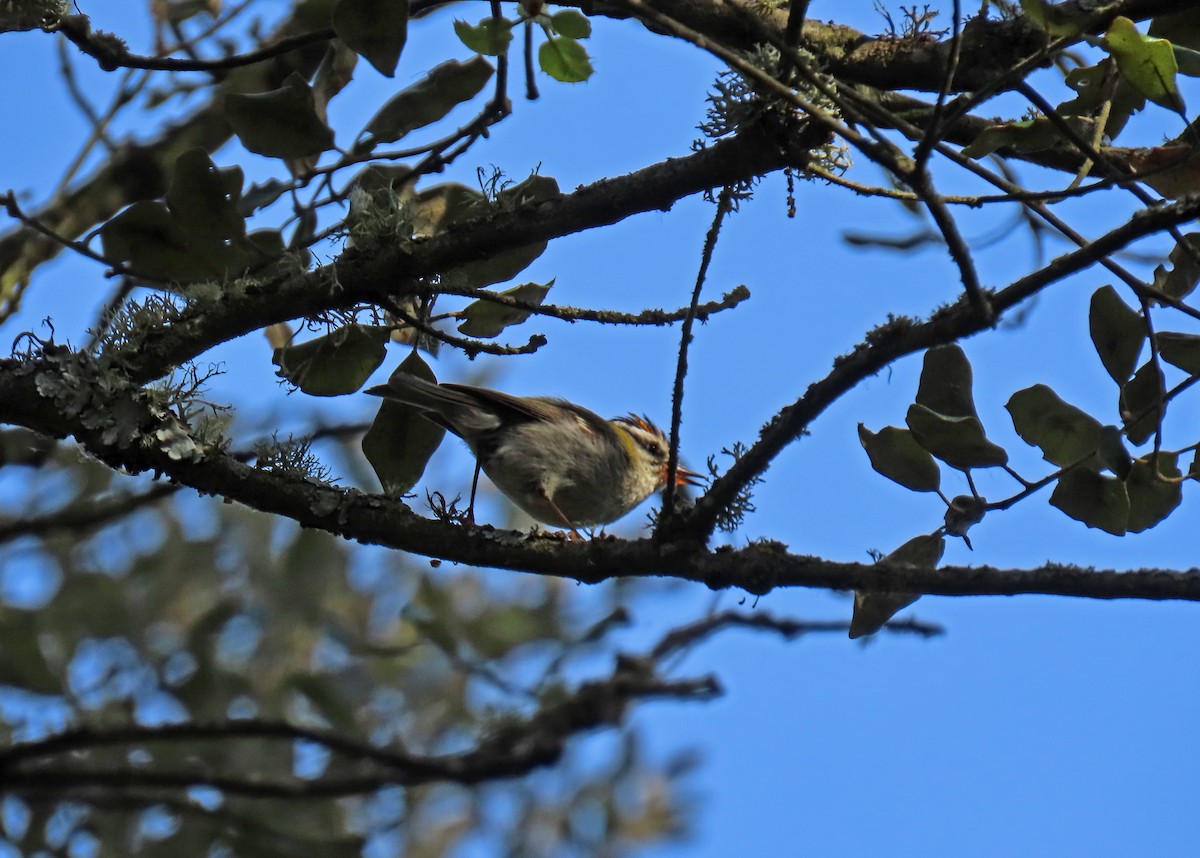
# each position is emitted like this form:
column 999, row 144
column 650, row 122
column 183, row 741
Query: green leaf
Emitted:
column 1181, row 350
column 1187, row 60
column 1182, row 28
column 400, row 441
column 1118, row 332
column 1063, row 433
column 484, row 318
column 872, row 610
column 282, row 123
column 946, row 380
column 571, row 23
column 957, row 441
column 336, row 363
column 198, row 234
column 24, row 664
column 375, row 29
column 1097, row 501
column 1147, row 63
column 1094, row 85
column 565, row 60
column 1181, row 280
column 1027, row 135
column 491, row 37
column 1141, row 403
column 896, row 454
column 1152, row 499
column 503, row 266
column 204, row 199
column 1054, row 19
column 445, row 87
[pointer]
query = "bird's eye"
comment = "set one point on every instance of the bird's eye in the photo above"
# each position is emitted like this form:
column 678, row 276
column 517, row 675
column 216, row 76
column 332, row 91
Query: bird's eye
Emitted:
column 654, row 449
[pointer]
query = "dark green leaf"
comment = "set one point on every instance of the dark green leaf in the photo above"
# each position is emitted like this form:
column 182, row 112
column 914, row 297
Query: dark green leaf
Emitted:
column 1147, row 63
column 505, row 265
column 491, row 37
column 24, row 664
column 1182, row 28
column 571, row 23
column 1185, row 273
column 1141, row 403
column 336, row 363
column 946, row 380
column 484, row 318
column 204, row 199
column 1118, row 332
column 1064, row 433
column 261, row 195
column 282, row 123
column 896, row 454
column 1027, row 135
column 1094, row 85
column 1152, row 499
column 1055, row 19
column 430, row 99
column 957, row 441
column 1096, row 500
column 374, row 29
column 872, row 610
column 400, row 441
column 1181, row 350
column 565, row 60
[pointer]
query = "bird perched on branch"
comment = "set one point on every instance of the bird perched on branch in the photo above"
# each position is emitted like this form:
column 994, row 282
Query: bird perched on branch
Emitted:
column 559, row 462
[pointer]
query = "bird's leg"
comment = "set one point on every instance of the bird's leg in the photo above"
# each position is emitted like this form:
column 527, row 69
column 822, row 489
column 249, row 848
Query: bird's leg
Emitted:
column 574, row 534
column 471, row 503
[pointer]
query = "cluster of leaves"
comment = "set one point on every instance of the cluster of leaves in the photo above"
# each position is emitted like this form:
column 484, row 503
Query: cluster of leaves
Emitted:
column 202, row 614
column 1098, row 481
column 1135, row 68
column 561, row 55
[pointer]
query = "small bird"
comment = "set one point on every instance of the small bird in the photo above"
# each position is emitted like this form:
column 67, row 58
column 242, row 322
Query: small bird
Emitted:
column 559, row 462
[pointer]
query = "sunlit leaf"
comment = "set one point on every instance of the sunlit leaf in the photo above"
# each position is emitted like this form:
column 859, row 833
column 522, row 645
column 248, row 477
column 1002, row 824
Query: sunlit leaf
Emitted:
column 571, row 23
column 1147, row 63
column 565, row 60
column 491, row 37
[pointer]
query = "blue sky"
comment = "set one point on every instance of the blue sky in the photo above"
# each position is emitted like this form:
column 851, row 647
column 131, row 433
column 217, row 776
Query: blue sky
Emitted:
column 1036, row 726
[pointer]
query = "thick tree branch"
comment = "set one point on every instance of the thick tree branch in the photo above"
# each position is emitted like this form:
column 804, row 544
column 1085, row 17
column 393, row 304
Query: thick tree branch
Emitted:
column 757, row 569
column 400, row 267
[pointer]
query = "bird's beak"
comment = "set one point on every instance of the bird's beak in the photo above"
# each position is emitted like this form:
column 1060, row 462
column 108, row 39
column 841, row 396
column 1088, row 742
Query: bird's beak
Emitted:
column 684, row 477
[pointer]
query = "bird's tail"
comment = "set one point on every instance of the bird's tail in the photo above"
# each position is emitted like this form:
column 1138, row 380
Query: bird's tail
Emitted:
column 452, row 406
